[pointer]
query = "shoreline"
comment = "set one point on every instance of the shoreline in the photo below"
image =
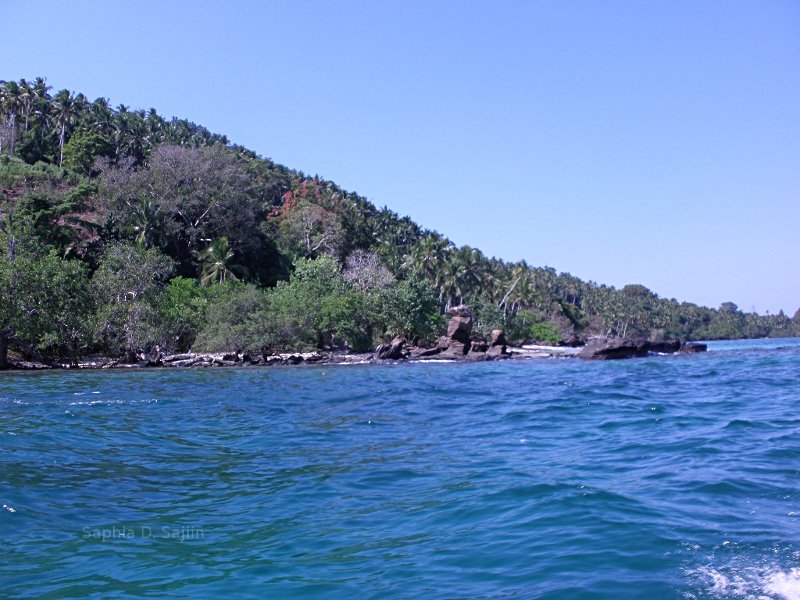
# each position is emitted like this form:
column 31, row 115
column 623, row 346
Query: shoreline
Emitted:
column 601, row 349
column 216, row 360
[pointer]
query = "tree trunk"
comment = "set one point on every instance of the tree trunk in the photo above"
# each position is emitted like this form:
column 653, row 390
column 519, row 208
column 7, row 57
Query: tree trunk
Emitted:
column 61, row 144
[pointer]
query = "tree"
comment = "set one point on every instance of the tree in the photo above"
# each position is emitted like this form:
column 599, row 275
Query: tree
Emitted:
column 216, row 259
column 365, row 271
column 192, row 196
column 309, row 230
column 231, row 321
column 67, row 107
column 45, row 306
column 11, row 103
column 128, row 286
column 83, row 149
column 409, row 308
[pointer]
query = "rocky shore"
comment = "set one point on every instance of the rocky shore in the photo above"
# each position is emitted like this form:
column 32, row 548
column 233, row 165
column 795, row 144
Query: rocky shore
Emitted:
column 459, row 345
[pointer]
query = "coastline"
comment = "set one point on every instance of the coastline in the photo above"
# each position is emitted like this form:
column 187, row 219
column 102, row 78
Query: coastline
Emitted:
column 218, row 360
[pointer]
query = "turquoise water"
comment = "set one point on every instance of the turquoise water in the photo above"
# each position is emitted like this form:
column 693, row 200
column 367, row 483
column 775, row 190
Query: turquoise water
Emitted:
column 663, row 477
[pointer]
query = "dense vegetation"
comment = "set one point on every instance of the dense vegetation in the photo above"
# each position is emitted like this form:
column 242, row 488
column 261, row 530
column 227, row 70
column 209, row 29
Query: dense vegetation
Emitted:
column 122, row 233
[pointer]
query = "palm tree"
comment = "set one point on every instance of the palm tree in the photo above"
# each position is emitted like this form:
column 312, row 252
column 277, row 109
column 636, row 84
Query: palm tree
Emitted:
column 216, row 259
column 68, row 106
column 102, row 117
column 428, row 257
column 451, row 284
column 27, row 98
column 472, row 264
column 10, row 103
column 143, row 222
column 42, row 108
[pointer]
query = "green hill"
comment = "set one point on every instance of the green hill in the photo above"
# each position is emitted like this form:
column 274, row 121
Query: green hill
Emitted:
column 123, row 231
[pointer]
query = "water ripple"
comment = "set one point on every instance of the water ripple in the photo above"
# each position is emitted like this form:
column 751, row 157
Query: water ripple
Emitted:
column 665, row 477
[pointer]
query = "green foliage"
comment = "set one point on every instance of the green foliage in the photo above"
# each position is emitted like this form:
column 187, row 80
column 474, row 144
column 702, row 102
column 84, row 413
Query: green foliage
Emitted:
column 315, row 308
column 183, row 309
column 230, row 319
column 179, row 196
column 528, row 325
column 217, row 262
column 46, row 305
column 129, row 286
column 409, row 308
column 486, row 317
column 84, row 148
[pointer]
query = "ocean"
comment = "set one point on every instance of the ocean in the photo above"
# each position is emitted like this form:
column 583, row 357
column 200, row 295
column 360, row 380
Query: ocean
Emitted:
column 661, row 477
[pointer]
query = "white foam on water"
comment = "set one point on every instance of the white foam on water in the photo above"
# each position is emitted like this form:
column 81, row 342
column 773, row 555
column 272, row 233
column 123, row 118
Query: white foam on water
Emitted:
column 93, row 402
column 786, row 585
column 9, row 508
column 751, row 583
column 432, row 360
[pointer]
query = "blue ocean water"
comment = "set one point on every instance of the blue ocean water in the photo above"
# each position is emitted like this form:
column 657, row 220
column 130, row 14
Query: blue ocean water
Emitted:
column 662, row 477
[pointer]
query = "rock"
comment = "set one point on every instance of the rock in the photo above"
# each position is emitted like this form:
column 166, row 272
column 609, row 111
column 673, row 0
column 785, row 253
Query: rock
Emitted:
column 425, row 352
column 498, row 338
column 613, row 348
column 479, row 346
column 392, row 351
column 171, row 358
column 665, row 347
column 573, row 341
column 457, row 348
column 692, row 348
column 497, row 352
column 459, row 328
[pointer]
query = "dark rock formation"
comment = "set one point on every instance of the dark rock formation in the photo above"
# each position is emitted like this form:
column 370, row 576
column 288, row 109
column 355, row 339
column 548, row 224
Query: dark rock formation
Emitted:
column 615, row 348
column 459, row 328
column 497, row 352
column 479, row 346
column 692, row 348
column 425, row 352
column 498, row 338
column 665, row 347
column 392, row 351
column 457, row 348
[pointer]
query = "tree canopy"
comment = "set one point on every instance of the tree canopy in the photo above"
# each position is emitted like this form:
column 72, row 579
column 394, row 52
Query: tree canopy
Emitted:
column 124, row 232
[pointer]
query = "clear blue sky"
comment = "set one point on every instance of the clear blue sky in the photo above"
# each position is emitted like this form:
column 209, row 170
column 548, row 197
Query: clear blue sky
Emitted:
column 624, row 142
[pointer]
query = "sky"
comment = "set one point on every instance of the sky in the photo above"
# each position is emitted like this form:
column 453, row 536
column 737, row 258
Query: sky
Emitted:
column 620, row 141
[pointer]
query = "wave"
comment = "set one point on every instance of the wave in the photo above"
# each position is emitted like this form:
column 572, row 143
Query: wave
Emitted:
column 756, row 583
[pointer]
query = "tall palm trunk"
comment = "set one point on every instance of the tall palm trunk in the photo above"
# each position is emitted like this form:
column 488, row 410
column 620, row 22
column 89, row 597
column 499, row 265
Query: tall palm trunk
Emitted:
column 13, row 120
column 61, row 144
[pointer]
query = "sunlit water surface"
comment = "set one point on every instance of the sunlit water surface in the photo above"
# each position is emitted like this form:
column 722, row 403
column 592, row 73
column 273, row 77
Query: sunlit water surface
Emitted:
column 662, row 477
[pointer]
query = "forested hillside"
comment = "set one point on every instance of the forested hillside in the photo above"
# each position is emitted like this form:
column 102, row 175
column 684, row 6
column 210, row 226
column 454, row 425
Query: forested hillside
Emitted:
column 123, row 232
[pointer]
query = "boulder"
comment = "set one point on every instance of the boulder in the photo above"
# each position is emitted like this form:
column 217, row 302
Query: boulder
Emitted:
column 457, row 348
column 613, row 348
column 497, row 352
column 425, row 352
column 479, row 346
column 459, row 328
column 665, row 347
column 498, row 338
column 692, row 348
column 392, row 351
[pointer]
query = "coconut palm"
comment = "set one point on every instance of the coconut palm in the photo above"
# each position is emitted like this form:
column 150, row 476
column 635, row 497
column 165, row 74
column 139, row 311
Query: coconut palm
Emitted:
column 143, row 222
column 68, row 106
column 216, row 259
column 11, row 104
